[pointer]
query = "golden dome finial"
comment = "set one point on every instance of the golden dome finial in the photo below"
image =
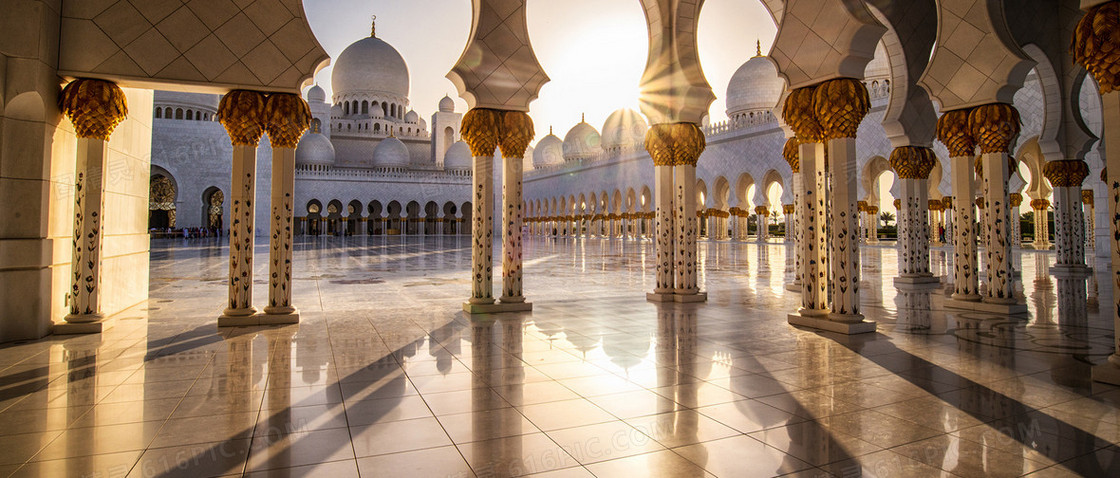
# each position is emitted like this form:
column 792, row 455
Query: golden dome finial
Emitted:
column 373, row 26
column 758, row 48
column 583, row 117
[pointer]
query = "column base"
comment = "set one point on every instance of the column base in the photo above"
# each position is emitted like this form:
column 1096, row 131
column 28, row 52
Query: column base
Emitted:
column 980, row 306
column 793, row 287
column 825, row 322
column 930, row 280
column 675, row 297
column 1109, row 371
column 497, row 307
column 83, row 324
column 278, row 316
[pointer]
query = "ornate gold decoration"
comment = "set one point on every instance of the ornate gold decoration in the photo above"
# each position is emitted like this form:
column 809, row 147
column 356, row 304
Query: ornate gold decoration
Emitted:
column 792, row 152
column 1066, row 173
column 242, row 114
column 672, row 144
column 95, row 107
column 981, row 202
column 840, row 105
column 897, row 204
column 861, row 205
column 801, row 117
column 954, row 133
column 161, row 194
column 913, row 162
column 994, row 126
column 1087, row 197
column 1040, row 204
column 934, row 204
column 762, row 211
column 517, row 132
column 481, row 129
column 1015, row 199
column 286, row 117
column 1096, row 45
column 947, row 202
column 873, row 210
column 787, row 209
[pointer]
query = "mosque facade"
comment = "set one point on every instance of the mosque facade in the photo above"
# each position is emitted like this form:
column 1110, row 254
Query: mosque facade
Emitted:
column 368, row 165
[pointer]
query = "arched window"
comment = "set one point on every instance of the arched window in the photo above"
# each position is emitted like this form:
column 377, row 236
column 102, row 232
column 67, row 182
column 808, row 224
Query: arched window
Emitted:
column 377, row 127
column 365, row 107
column 347, row 127
column 346, row 108
column 159, row 112
column 190, row 114
column 385, row 109
column 178, row 113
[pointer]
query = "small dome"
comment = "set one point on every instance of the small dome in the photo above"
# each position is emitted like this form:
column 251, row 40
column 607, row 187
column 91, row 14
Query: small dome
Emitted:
column 458, row 156
column 446, row 105
column 582, row 142
column 315, row 148
column 336, row 111
column 411, row 117
column 423, row 124
column 549, row 152
column 625, row 128
column 376, row 113
column 754, row 86
column 391, row 153
column 367, row 66
column 316, row 95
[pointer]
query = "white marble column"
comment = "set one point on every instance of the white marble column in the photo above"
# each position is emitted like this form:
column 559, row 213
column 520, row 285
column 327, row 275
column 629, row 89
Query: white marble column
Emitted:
column 280, row 243
column 997, row 216
column 1015, row 201
column 1087, row 199
column 913, row 234
column 686, row 229
column 761, row 220
column 512, row 171
column 811, row 226
column 1069, row 219
column 966, row 268
column 1041, row 209
column 241, row 231
column 1110, row 371
column 95, row 108
column 482, row 230
column 665, row 230
column 844, row 241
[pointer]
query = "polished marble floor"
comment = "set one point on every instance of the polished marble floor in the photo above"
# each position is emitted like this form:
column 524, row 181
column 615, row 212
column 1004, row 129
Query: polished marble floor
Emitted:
column 385, row 376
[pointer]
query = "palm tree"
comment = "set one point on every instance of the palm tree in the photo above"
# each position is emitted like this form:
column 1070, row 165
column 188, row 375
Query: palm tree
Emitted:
column 886, row 217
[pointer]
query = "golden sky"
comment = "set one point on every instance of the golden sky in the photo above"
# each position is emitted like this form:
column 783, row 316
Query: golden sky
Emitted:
column 593, row 50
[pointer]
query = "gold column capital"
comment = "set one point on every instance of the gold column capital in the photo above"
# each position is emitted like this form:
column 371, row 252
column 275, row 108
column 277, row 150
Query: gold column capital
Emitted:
column 861, row 205
column 286, row 117
column 934, row 204
column 953, row 132
column 788, row 209
column 1015, row 199
column 897, row 204
column 1066, row 173
column 95, row 107
column 947, row 202
column 994, row 126
column 841, row 105
column 873, row 210
column 913, row 162
column 242, row 114
column 792, row 153
column 762, row 211
column 516, row 133
column 981, row 202
column 800, row 115
column 481, row 130
column 674, row 144
column 1096, row 45
column 1039, row 204
column 1087, row 197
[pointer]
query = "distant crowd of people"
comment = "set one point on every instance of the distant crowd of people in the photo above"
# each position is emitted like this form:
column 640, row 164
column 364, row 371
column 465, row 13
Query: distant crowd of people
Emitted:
column 185, row 233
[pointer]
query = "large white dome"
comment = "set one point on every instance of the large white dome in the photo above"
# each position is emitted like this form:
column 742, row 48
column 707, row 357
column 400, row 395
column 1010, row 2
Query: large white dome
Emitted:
column 625, row 128
column 458, row 156
column 754, row 86
column 527, row 162
column 582, row 142
column 390, row 153
column 370, row 65
column 549, row 152
column 315, row 148
column 880, row 65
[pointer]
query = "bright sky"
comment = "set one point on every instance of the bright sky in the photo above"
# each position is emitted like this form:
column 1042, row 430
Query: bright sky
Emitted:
column 593, row 50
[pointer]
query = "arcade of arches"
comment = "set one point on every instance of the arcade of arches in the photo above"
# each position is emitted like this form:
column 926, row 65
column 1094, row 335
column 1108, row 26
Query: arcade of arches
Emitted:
column 899, row 256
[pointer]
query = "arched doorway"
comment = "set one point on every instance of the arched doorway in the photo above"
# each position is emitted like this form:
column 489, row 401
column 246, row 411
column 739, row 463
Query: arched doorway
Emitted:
column 375, row 224
column 449, row 220
column 212, row 201
column 314, row 217
column 161, row 202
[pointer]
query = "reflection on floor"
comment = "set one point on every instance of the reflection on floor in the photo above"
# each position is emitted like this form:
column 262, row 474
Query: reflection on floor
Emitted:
column 386, row 377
